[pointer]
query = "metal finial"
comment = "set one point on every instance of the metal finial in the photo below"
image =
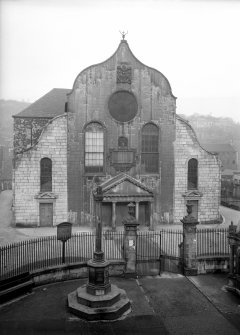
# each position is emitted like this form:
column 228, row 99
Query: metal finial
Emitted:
column 123, row 33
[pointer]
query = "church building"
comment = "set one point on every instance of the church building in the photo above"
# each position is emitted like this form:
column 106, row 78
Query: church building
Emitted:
column 117, row 127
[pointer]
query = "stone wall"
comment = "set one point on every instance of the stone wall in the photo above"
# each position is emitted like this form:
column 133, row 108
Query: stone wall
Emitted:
column 27, row 132
column 26, row 183
column 88, row 102
column 186, row 147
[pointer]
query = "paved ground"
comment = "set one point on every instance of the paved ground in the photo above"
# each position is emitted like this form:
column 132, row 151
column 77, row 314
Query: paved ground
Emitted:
column 170, row 304
column 9, row 234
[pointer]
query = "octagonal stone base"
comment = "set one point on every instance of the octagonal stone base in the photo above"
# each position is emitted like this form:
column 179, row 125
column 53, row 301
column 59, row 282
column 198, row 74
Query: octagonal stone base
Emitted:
column 110, row 306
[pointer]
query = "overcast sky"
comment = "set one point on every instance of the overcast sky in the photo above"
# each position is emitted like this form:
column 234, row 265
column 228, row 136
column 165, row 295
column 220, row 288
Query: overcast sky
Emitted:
column 195, row 44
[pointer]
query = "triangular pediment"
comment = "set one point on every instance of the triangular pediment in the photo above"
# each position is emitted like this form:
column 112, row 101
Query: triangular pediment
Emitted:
column 192, row 194
column 126, row 185
column 45, row 195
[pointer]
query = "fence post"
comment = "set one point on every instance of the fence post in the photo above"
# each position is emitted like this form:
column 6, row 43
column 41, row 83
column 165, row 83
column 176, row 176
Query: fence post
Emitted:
column 130, row 242
column 189, row 243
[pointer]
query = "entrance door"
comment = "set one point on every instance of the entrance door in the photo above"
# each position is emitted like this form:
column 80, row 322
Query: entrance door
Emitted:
column 46, row 214
column 107, row 214
column 121, row 212
column 144, row 214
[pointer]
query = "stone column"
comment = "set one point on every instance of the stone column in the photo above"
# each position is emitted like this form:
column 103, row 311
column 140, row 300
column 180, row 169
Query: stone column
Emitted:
column 231, row 260
column 151, row 215
column 137, row 210
column 231, row 231
column 113, row 215
column 234, row 273
column 130, row 242
column 190, row 243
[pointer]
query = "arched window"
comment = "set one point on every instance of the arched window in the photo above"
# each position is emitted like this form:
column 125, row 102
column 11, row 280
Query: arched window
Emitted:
column 46, row 175
column 94, row 148
column 192, row 174
column 150, row 150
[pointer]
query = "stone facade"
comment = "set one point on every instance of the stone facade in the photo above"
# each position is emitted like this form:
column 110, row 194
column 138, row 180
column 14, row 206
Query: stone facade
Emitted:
column 62, row 139
column 88, row 102
column 27, row 196
column 207, row 193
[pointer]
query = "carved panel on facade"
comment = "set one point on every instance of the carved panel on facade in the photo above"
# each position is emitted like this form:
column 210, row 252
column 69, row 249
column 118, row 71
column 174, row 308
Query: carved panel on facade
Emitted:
column 122, row 159
column 151, row 181
column 124, row 74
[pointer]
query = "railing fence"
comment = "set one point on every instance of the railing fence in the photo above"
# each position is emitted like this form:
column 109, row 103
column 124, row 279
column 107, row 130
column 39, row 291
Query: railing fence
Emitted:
column 45, row 252
column 212, row 242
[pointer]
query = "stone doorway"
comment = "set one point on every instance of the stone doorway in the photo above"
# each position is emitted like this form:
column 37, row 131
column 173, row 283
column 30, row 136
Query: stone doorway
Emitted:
column 118, row 192
column 46, row 214
column 121, row 212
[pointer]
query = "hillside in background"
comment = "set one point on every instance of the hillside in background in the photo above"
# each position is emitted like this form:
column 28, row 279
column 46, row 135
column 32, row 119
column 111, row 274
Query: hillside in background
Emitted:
column 209, row 129
column 217, row 130
column 7, row 109
column 214, row 129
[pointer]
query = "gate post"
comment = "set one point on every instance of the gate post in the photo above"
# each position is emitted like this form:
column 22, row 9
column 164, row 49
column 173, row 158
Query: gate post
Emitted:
column 189, row 243
column 130, row 242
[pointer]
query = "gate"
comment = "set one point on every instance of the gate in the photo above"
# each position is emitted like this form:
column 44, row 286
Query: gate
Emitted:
column 159, row 251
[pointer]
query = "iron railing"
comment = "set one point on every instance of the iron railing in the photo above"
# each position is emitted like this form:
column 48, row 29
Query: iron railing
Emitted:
column 46, row 252
column 212, row 242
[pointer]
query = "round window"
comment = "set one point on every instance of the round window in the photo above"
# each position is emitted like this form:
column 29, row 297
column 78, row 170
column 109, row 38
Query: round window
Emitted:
column 122, row 106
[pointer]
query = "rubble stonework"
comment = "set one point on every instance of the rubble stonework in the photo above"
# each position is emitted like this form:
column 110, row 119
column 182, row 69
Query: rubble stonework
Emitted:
column 27, row 132
column 51, row 144
column 186, row 147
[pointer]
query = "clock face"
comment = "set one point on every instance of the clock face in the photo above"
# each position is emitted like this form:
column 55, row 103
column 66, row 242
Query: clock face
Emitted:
column 123, row 106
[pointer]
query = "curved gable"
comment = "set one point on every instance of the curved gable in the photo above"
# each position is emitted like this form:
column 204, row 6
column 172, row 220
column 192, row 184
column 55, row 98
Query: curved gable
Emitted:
column 122, row 56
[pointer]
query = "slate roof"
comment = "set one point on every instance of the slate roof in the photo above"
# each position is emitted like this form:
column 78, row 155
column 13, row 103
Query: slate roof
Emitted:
column 212, row 147
column 50, row 105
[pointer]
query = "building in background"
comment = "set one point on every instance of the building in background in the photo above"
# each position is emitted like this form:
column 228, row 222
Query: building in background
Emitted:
column 116, row 127
column 6, row 155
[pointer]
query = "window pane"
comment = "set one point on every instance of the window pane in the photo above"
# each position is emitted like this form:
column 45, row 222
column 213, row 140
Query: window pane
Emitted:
column 192, row 174
column 150, row 139
column 94, row 148
column 46, row 175
column 150, row 163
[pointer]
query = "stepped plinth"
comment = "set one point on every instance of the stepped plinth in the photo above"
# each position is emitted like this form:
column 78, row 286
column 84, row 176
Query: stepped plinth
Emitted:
column 99, row 299
column 109, row 306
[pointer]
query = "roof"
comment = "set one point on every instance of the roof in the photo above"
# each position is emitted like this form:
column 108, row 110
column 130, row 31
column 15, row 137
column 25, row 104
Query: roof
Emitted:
column 50, row 105
column 215, row 147
column 124, row 54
